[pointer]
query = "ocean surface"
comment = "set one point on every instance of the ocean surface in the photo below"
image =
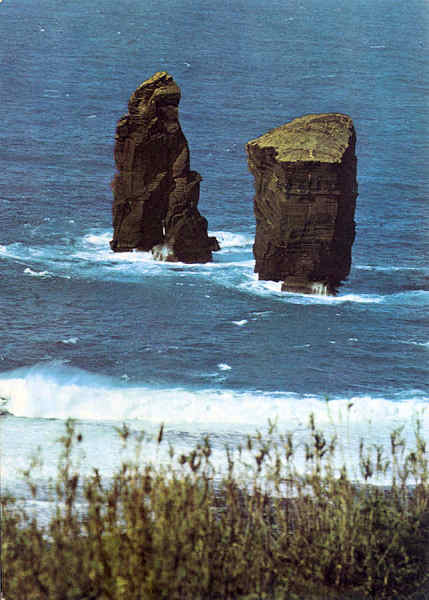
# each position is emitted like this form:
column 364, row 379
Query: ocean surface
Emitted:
column 106, row 338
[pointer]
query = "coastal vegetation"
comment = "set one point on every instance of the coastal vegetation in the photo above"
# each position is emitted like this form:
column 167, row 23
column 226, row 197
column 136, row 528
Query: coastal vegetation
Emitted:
column 260, row 529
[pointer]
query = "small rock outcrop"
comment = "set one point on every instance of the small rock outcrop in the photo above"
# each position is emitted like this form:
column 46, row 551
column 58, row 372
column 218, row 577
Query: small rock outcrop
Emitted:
column 306, row 190
column 155, row 192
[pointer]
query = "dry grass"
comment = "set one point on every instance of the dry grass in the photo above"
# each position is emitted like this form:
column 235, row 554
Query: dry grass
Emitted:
column 180, row 532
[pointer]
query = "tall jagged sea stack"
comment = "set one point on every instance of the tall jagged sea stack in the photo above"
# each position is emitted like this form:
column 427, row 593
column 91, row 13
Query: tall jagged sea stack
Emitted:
column 306, row 189
column 155, row 192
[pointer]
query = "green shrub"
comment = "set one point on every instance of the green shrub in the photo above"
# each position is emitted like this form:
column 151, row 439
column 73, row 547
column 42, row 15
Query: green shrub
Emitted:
column 263, row 529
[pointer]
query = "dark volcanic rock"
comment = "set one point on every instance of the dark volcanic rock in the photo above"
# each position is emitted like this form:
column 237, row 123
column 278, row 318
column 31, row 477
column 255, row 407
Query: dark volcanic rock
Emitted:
column 306, row 189
column 155, row 192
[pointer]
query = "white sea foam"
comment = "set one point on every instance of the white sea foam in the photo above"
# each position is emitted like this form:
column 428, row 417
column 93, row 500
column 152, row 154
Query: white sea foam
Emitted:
column 6, row 250
column 360, row 298
column 91, row 254
column 71, row 340
column 228, row 240
column 58, row 391
column 21, row 251
column 94, row 248
column 240, row 323
column 224, row 367
column 32, row 273
column 217, row 263
column 100, row 238
column 273, row 288
column 415, row 343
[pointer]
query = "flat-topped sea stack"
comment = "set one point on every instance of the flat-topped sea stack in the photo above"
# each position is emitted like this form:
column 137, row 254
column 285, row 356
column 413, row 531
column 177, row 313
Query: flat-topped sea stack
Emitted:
column 155, row 192
column 306, row 190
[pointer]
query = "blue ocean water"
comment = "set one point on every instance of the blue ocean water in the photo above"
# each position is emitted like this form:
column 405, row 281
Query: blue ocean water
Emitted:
column 106, row 337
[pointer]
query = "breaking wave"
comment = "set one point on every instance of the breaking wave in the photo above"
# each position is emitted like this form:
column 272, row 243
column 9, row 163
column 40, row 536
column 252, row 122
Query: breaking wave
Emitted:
column 55, row 390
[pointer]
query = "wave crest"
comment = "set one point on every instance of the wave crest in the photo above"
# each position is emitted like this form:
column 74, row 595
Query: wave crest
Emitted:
column 58, row 391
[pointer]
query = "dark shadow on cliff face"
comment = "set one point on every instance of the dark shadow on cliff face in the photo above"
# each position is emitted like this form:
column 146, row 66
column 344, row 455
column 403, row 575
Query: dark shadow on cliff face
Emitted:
column 306, row 189
column 155, row 192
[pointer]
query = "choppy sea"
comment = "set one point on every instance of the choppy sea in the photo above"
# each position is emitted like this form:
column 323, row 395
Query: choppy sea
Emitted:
column 106, row 338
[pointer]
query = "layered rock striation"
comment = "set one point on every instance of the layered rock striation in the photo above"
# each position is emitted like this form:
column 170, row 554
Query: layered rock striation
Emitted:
column 155, row 192
column 306, row 190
